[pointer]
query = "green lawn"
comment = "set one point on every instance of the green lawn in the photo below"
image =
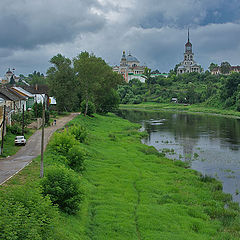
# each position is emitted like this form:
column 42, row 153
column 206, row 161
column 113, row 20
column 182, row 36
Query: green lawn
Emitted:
column 131, row 192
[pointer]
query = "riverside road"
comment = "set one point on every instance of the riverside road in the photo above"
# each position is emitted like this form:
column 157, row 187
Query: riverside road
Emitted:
column 12, row 165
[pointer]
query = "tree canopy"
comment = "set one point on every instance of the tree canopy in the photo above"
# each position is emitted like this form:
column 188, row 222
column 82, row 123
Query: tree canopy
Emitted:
column 97, row 81
column 62, row 83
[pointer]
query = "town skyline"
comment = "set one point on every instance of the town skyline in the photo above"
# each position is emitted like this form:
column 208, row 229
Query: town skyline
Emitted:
column 155, row 32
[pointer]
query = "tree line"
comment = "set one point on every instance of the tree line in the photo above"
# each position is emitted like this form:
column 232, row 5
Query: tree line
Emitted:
column 222, row 91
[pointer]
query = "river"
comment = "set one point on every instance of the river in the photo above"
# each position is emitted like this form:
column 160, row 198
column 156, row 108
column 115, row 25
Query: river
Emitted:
column 209, row 143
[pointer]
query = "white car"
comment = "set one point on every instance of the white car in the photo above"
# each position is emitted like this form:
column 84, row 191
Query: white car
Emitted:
column 20, row 140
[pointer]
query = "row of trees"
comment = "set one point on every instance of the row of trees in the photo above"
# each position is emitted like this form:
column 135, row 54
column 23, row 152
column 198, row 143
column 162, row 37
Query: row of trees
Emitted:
column 214, row 90
column 87, row 78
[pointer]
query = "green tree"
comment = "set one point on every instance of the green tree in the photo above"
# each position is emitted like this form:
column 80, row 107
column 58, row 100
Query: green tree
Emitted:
column 147, row 75
column 62, row 83
column 12, row 81
column 36, row 78
column 212, row 66
column 225, row 67
column 98, row 83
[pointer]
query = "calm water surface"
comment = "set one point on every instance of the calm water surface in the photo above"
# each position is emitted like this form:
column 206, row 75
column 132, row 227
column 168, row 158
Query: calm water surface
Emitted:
column 211, row 144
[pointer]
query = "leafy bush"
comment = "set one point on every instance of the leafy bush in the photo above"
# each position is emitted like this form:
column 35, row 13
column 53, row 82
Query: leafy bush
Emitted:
column 76, row 157
column 62, row 142
column 62, row 185
column 79, row 132
column 15, row 129
column 26, row 214
column 17, row 118
column 91, row 108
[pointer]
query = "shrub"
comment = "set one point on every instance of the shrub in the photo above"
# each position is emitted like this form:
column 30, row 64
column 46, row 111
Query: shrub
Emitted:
column 62, row 142
column 62, row 185
column 79, row 132
column 26, row 214
column 76, row 157
column 15, row 129
column 91, row 107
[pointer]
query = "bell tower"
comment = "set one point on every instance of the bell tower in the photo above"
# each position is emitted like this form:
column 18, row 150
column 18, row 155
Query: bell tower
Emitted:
column 188, row 55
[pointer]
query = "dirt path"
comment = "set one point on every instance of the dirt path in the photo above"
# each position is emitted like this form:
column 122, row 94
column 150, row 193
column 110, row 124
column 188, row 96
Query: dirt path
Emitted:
column 12, row 165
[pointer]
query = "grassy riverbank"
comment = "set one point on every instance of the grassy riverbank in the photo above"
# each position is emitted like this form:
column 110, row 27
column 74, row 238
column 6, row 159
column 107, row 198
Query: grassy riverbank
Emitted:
column 195, row 108
column 132, row 192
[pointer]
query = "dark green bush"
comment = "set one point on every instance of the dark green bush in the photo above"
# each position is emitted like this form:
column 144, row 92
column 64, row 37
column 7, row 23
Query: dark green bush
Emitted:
column 62, row 185
column 26, row 214
column 91, row 108
column 79, row 132
column 15, row 129
column 76, row 156
column 62, row 142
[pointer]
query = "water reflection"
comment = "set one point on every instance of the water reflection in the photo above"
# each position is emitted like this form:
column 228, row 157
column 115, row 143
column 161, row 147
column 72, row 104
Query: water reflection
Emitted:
column 211, row 143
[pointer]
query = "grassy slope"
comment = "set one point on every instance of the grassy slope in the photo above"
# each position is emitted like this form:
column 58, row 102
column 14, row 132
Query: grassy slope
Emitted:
column 132, row 193
column 180, row 107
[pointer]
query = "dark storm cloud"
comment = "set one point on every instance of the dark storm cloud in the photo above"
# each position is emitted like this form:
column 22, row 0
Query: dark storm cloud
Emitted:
column 27, row 24
column 155, row 13
column 155, row 31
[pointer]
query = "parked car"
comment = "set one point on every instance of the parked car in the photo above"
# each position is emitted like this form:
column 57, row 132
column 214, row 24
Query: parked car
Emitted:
column 20, row 140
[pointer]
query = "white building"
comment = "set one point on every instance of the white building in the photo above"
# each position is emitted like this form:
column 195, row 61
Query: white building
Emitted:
column 129, row 67
column 188, row 64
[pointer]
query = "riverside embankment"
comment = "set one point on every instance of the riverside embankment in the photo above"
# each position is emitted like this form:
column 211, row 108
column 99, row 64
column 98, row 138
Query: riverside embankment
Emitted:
column 194, row 108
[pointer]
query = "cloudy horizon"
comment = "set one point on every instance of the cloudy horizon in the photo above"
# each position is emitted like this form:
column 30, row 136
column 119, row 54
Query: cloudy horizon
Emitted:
column 154, row 31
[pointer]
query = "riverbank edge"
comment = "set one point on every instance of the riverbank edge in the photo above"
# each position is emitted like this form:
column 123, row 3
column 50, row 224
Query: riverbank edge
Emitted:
column 135, row 139
column 193, row 109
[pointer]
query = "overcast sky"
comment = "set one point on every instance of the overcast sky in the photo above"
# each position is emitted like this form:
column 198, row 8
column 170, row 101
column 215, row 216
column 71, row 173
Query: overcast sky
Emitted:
column 154, row 31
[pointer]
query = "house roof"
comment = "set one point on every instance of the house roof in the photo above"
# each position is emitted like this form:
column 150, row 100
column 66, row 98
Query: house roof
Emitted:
column 6, row 94
column 130, row 58
column 37, row 89
column 23, row 92
column 21, row 97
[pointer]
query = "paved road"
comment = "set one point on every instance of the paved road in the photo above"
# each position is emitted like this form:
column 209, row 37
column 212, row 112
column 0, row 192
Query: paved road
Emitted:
column 12, row 165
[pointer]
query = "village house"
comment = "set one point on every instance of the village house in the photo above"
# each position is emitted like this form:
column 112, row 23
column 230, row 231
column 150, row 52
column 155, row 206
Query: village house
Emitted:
column 217, row 70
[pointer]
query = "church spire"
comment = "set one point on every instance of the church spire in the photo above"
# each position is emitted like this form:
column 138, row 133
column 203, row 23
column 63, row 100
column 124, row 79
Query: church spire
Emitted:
column 188, row 35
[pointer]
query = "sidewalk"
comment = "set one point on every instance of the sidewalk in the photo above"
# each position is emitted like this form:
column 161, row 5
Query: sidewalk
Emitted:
column 12, row 165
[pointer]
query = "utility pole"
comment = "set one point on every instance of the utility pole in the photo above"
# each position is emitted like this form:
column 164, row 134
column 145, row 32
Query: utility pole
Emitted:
column 42, row 142
column 3, row 128
column 23, row 120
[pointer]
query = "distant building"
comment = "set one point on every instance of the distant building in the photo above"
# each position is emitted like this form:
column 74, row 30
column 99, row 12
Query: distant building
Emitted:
column 217, row 70
column 188, row 64
column 7, row 78
column 130, row 68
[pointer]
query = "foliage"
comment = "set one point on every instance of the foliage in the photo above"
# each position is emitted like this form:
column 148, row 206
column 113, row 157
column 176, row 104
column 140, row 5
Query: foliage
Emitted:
column 79, row 132
column 15, row 129
column 35, row 78
column 62, row 142
column 212, row 66
column 189, row 88
column 225, row 67
column 147, row 75
column 62, row 185
column 76, row 156
column 26, row 214
column 37, row 109
column 62, row 83
column 97, row 82
column 18, row 117
column 87, row 110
